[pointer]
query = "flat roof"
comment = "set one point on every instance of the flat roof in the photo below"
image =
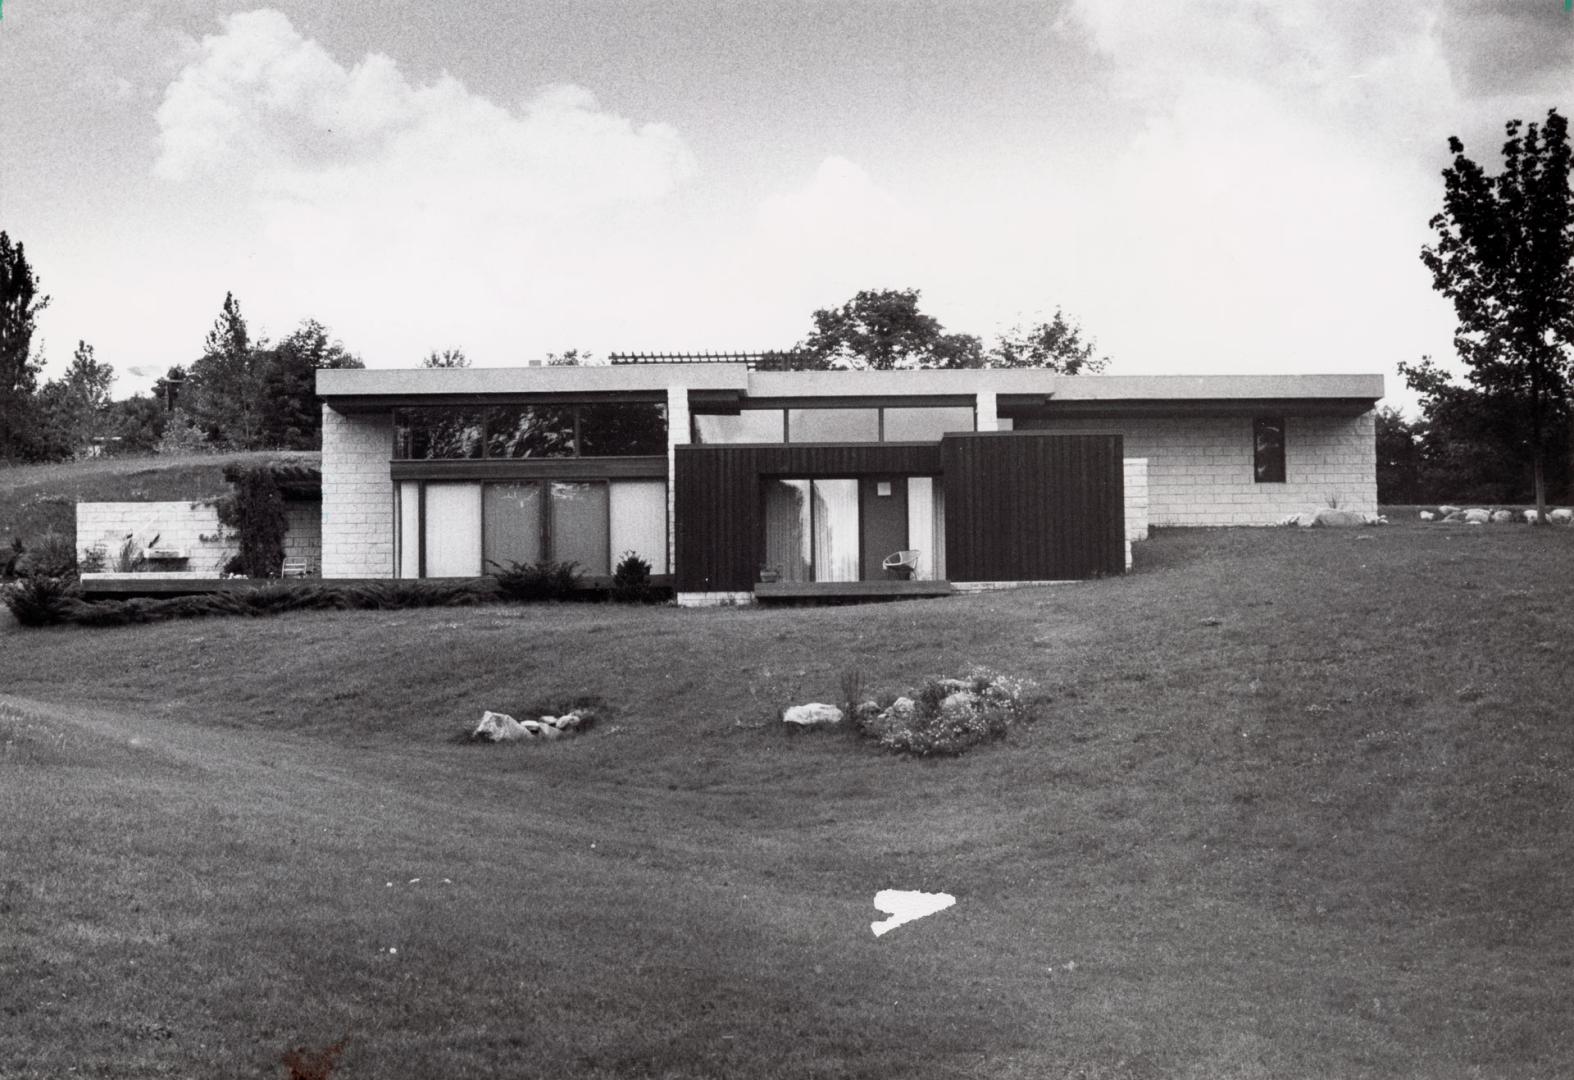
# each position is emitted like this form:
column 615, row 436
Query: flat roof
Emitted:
column 359, row 387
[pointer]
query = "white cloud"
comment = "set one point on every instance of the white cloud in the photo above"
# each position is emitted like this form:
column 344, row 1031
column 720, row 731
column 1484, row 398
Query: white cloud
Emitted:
column 393, row 207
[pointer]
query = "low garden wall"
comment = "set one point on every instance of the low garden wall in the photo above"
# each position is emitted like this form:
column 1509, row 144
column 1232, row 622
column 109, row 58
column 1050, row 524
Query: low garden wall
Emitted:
column 190, row 529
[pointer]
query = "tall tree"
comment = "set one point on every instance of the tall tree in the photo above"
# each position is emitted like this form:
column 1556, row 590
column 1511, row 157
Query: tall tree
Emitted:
column 448, row 358
column 1056, row 345
column 75, row 407
column 166, row 389
column 881, row 330
column 20, row 303
column 224, row 388
column 1505, row 257
column 291, row 418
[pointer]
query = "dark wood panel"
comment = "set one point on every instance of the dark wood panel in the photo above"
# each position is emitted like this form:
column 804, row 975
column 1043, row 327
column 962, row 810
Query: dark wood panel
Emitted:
column 716, row 499
column 1030, row 506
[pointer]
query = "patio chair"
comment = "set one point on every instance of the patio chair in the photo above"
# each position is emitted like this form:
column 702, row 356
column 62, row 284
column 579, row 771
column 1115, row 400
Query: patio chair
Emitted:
column 295, row 566
column 901, row 564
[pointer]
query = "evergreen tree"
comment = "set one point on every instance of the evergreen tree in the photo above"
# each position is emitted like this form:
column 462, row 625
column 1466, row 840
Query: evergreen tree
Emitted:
column 291, row 418
column 224, row 389
column 20, row 304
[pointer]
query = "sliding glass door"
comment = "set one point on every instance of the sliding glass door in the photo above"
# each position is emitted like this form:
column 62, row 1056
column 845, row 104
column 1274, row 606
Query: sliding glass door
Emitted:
column 811, row 529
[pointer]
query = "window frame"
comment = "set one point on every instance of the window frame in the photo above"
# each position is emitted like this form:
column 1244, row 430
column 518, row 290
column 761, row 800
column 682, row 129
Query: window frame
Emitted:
column 1269, row 457
column 488, row 414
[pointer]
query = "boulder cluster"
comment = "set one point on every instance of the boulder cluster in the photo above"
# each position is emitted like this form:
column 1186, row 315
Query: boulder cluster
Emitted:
column 1478, row 515
column 500, row 727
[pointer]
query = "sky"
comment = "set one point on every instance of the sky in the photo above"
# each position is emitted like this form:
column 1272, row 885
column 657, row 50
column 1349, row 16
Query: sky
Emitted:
column 1208, row 187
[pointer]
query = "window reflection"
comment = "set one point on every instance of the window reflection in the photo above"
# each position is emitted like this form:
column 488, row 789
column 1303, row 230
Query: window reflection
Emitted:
column 748, row 426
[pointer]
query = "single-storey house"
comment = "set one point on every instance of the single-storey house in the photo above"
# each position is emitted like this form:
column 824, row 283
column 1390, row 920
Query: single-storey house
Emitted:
column 730, row 480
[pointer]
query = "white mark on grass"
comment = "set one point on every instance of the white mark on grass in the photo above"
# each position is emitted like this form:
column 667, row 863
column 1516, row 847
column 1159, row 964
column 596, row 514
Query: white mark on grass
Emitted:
column 903, row 906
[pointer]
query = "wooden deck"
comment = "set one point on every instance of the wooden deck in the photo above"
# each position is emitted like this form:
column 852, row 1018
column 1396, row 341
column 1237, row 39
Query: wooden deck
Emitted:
column 835, row 591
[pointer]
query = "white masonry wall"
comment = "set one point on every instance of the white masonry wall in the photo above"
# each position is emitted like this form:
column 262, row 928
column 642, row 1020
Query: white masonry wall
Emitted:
column 357, row 495
column 1200, row 469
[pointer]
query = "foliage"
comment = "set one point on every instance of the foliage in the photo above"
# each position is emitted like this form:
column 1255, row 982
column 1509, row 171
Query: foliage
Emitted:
column 1398, row 459
column 182, row 435
column 39, row 599
column 167, row 388
column 135, row 424
column 1469, row 445
column 11, row 557
column 256, row 513
column 224, row 389
column 949, row 716
column 881, row 330
column 128, row 557
column 52, row 554
column 72, row 411
column 570, row 358
column 20, row 305
column 544, row 580
column 275, row 598
column 1055, row 346
column 1505, row 256
column 448, row 358
column 290, row 418
column 93, row 561
column 631, row 580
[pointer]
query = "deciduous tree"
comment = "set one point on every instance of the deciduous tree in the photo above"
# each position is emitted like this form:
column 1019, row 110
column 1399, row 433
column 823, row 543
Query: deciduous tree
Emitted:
column 1505, row 256
column 448, row 358
column 881, row 330
column 290, row 417
column 1056, row 345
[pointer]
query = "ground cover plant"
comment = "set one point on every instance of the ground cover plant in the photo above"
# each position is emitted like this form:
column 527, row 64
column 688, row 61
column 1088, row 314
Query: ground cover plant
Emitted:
column 1296, row 805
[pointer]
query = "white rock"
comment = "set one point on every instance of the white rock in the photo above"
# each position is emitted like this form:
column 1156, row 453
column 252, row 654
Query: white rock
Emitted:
column 813, row 715
column 1477, row 516
column 1446, row 510
column 1427, row 515
column 1561, row 517
column 1530, row 515
column 499, row 727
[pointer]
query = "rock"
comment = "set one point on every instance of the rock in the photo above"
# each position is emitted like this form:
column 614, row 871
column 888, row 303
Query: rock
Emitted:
column 499, row 727
column 1457, row 517
column 1531, row 516
column 901, row 710
column 813, row 715
column 1502, row 517
column 1446, row 510
column 1561, row 517
column 958, row 706
column 1329, row 518
column 1477, row 516
column 1427, row 515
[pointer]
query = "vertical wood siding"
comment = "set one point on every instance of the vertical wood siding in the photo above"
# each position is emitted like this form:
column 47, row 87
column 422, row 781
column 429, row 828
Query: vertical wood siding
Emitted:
column 1026, row 506
column 716, row 499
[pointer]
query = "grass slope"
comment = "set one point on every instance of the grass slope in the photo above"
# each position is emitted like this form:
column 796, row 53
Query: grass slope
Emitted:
column 37, row 498
column 1298, row 805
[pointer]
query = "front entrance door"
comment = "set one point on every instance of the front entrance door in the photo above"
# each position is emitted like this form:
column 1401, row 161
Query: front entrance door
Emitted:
column 882, row 503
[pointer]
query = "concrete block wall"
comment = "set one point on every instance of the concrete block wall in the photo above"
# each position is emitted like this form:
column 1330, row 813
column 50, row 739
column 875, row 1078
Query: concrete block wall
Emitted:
column 357, row 495
column 181, row 525
column 1200, row 469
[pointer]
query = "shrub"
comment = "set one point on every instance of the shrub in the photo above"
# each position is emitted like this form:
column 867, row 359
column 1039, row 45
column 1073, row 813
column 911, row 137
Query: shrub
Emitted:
column 92, row 561
column 544, row 580
column 10, row 557
column 51, row 555
column 39, row 599
column 631, row 580
column 949, row 716
column 129, row 558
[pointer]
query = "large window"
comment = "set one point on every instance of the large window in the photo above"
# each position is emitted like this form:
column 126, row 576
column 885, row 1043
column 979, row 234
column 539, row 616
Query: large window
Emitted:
column 811, row 529
column 1268, row 449
column 924, row 423
column 605, row 429
column 452, row 529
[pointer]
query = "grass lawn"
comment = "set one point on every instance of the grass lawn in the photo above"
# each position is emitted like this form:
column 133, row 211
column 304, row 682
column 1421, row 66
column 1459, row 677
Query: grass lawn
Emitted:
column 37, row 498
column 1298, row 805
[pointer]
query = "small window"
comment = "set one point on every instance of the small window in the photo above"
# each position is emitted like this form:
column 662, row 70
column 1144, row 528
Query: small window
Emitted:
column 1268, row 449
